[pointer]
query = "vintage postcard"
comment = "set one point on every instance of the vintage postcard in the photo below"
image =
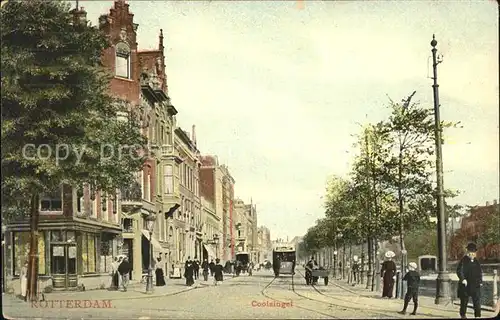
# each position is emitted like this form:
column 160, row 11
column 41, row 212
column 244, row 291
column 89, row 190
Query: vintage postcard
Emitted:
column 250, row 159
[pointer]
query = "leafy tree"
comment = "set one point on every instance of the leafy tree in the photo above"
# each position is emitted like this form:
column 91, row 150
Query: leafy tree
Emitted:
column 55, row 93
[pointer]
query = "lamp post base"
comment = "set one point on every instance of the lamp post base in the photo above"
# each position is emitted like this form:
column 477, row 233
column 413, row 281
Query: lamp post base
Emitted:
column 443, row 288
column 149, row 282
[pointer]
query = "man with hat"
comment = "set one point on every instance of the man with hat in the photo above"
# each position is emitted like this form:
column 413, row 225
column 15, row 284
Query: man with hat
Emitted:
column 470, row 280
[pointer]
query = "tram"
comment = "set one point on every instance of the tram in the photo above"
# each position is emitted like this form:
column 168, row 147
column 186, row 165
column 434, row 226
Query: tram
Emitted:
column 244, row 259
column 284, row 260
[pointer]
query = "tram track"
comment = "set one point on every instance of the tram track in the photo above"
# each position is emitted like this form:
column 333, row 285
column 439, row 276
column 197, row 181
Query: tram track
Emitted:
column 380, row 312
column 389, row 312
column 263, row 293
column 452, row 313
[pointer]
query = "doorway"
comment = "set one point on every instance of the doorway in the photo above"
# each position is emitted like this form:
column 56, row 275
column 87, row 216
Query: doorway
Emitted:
column 128, row 251
column 63, row 265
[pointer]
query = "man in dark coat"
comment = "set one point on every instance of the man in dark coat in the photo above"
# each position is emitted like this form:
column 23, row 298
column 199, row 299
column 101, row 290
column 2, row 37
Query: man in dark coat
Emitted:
column 196, row 269
column 470, row 280
column 124, row 270
column 211, row 266
column 189, row 272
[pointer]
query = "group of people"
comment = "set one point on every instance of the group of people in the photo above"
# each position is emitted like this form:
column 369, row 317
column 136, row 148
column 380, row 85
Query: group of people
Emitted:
column 192, row 269
column 470, row 280
column 120, row 273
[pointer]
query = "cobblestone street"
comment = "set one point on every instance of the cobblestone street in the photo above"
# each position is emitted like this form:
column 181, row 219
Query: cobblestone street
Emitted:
column 260, row 296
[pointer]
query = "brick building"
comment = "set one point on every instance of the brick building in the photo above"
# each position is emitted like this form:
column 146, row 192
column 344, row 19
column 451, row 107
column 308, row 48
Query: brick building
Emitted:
column 472, row 225
column 217, row 189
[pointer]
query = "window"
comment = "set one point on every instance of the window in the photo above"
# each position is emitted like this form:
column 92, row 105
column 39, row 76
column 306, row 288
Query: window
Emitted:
column 93, row 206
column 122, row 61
column 104, row 207
column 21, row 248
column 169, row 179
column 106, row 253
column 80, row 200
column 51, row 201
column 88, row 253
column 143, row 186
column 148, row 185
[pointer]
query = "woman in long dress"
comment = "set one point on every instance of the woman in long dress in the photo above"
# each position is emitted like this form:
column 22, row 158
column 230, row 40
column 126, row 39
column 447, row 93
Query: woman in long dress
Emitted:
column 160, row 276
column 218, row 272
column 388, row 274
column 114, row 274
column 24, row 280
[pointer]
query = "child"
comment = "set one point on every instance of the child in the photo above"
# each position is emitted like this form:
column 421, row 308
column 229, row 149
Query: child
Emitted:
column 412, row 277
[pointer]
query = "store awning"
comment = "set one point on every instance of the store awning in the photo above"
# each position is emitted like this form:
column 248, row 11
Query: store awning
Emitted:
column 211, row 251
column 154, row 242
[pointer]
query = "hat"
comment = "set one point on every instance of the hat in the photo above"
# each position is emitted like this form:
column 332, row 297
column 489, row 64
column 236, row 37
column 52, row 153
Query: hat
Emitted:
column 389, row 254
column 471, row 247
column 412, row 266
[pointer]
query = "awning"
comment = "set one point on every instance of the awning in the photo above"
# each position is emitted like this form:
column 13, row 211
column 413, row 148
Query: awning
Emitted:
column 154, row 242
column 211, row 251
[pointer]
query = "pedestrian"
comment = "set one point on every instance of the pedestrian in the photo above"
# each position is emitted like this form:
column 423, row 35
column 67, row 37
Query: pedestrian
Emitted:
column 388, row 274
column 124, row 269
column 227, row 266
column 412, row 278
column 189, row 272
column 114, row 274
column 250, row 268
column 196, row 269
column 470, row 280
column 218, row 272
column 160, row 275
column 355, row 270
column 211, row 266
column 205, row 266
column 23, row 277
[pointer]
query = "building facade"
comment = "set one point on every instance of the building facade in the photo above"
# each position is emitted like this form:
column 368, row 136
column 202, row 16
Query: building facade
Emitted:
column 217, row 183
column 245, row 229
column 186, row 222
column 265, row 245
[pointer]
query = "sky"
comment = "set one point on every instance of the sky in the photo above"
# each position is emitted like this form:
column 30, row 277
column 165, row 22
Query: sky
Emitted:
column 277, row 91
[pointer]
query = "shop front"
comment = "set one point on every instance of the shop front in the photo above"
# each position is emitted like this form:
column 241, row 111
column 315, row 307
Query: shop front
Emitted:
column 67, row 257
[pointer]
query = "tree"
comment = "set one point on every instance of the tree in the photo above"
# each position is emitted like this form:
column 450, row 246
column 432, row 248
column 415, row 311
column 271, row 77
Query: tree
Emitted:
column 55, row 99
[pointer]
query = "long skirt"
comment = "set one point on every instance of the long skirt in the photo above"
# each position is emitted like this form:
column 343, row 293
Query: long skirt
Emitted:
column 24, row 286
column 115, row 281
column 388, row 287
column 160, row 279
column 189, row 280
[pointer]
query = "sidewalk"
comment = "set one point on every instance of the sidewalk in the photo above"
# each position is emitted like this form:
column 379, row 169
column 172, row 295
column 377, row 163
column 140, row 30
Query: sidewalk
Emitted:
column 134, row 291
column 426, row 304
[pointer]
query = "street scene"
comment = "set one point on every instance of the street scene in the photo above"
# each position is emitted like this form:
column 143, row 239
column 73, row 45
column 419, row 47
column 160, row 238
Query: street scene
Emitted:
column 258, row 159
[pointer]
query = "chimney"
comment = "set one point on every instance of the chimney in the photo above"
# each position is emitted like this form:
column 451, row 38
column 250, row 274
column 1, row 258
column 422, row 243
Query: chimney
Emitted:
column 487, row 203
column 193, row 134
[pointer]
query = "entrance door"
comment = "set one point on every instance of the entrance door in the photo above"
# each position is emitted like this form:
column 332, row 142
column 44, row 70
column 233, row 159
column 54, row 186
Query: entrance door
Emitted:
column 63, row 265
column 129, row 252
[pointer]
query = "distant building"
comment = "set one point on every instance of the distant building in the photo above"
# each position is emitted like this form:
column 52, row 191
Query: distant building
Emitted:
column 472, row 225
column 264, row 243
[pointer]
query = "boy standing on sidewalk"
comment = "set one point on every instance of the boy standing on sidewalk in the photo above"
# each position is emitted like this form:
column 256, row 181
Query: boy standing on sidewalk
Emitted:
column 412, row 277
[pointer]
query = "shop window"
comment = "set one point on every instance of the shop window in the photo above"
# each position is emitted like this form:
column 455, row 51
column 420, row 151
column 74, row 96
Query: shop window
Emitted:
column 58, row 260
column 51, row 201
column 21, row 247
column 88, row 253
column 106, row 253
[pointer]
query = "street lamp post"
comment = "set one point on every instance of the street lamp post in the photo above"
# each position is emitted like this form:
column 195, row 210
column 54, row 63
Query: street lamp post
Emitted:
column 443, row 278
column 216, row 241
column 150, row 222
column 335, row 264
